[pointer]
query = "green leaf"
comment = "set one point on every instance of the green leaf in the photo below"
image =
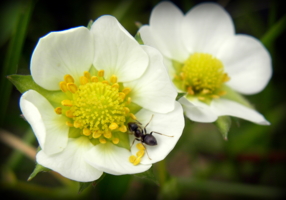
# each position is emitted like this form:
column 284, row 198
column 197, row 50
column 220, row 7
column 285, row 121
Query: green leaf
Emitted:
column 138, row 38
column 149, row 175
column 234, row 96
column 25, row 82
column 223, row 124
column 180, row 95
column 38, row 168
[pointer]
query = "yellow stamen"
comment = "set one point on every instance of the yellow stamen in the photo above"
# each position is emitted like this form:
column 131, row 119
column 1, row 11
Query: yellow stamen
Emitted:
column 140, row 146
column 115, row 140
column 67, row 102
column 132, row 158
column 137, row 161
column 133, row 116
column 69, row 124
column 190, row 90
column 221, row 93
column 126, row 109
column 206, row 91
column 113, row 79
column 123, row 129
column 76, row 124
column 128, row 100
column 96, row 134
column 101, row 73
column 107, row 134
column 215, row 96
column 113, row 126
column 86, row 132
column 86, row 74
column 102, row 140
column 68, row 78
column 63, row 86
column 122, row 95
column 201, row 98
column 105, row 82
column 83, row 80
column 58, row 110
column 115, row 85
column 69, row 113
column 140, row 153
column 126, row 90
column 94, row 79
column 72, row 87
column 225, row 77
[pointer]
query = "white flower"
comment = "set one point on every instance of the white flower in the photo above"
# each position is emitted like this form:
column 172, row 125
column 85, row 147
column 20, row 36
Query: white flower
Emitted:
column 97, row 81
column 205, row 58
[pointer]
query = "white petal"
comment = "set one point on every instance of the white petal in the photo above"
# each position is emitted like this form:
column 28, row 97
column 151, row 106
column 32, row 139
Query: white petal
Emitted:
column 60, row 53
column 113, row 160
column 154, row 90
column 247, row 62
column 171, row 124
column 70, row 163
column 198, row 111
column 116, row 51
column 49, row 128
column 205, row 28
column 226, row 107
column 165, row 30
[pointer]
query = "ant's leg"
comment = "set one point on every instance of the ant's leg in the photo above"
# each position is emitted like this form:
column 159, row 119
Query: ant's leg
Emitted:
column 147, row 124
column 134, row 141
column 146, row 151
column 161, row 134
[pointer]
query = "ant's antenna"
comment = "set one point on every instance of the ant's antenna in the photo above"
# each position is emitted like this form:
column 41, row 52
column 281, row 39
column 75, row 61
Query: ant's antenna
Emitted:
column 161, row 134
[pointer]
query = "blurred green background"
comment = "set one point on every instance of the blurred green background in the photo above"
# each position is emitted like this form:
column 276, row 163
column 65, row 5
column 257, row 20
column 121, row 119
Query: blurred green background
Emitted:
column 250, row 164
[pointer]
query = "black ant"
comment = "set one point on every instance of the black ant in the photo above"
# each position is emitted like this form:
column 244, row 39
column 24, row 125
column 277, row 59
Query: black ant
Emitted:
column 141, row 134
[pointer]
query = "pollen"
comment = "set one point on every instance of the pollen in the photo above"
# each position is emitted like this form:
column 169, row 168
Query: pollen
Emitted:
column 140, row 146
column 202, row 76
column 96, row 106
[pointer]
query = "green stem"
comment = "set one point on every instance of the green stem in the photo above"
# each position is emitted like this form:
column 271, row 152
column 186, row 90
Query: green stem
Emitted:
column 162, row 172
column 274, row 32
column 13, row 56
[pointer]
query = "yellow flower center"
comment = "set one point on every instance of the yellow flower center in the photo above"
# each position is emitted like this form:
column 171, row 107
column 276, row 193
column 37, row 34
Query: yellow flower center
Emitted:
column 96, row 106
column 201, row 76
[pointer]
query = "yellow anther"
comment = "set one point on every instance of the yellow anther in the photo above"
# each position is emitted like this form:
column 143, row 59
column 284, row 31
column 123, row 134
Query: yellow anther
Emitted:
column 133, row 116
column 190, row 90
column 107, row 134
column 122, row 95
column 69, row 124
column 105, row 81
column 102, row 140
column 69, row 114
column 206, row 91
column 115, row 85
column 129, row 100
column 86, row 74
column 221, row 93
column 101, row 73
column 76, row 124
column 113, row 126
column 214, row 96
column 83, row 80
column 86, row 132
column 96, row 134
column 123, row 129
column 115, row 140
column 63, row 86
column 225, row 77
column 126, row 90
column 58, row 110
column 140, row 153
column 126, row 109
column 66, row 102
column 113, row 79
column 201, row 98
column 140, row 146
column 68, row 78
column 137, row 161
column 72, row 87
column 94, row 79
column 132, row 158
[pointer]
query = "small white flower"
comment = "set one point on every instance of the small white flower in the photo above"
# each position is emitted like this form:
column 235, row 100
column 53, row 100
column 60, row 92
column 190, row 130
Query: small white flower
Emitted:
column 205, row 58
column 98, row 80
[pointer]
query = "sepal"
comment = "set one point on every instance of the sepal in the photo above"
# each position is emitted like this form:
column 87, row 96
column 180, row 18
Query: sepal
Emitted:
column 149, row 175
column 223, row 124
column 38, row 168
